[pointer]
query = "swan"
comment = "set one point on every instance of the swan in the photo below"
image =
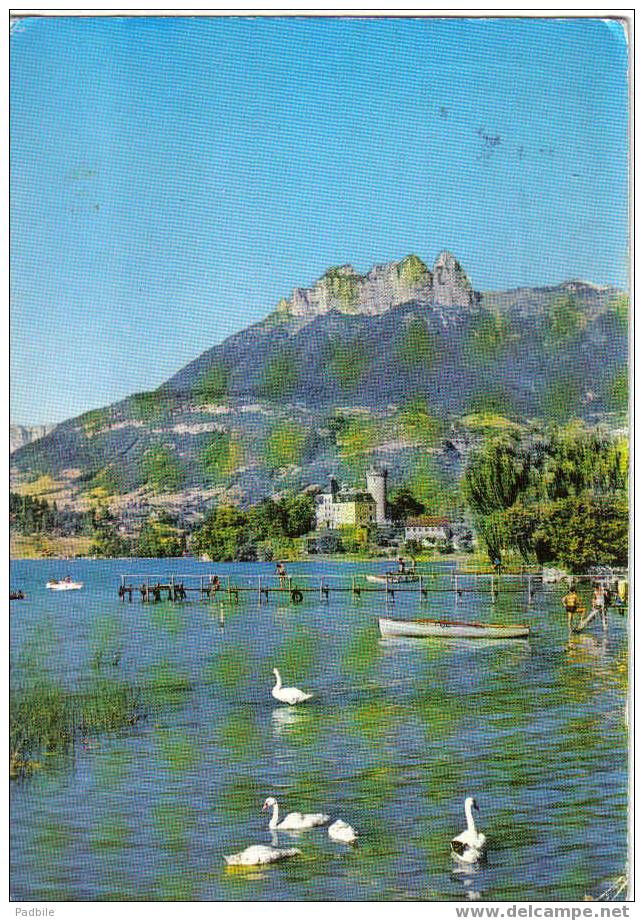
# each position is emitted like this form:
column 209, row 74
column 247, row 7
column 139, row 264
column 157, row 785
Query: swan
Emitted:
column 288, row 695
column 469, row 846
column 294, row 821
column 258, row 854
column 342, row 831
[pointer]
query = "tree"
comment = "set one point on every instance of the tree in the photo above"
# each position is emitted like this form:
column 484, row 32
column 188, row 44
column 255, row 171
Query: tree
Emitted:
column 160, row 538
column 226, row 535
column 403, row 504
column 106, row 541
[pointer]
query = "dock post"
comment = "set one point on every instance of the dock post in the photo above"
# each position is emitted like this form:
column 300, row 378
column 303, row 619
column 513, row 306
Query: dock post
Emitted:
column 420, row 587
column 200, row 588
column 173, row 595
column 529, row 588
column 229, row 593
column 456, row 586
column 259, row 590
column 321, row 589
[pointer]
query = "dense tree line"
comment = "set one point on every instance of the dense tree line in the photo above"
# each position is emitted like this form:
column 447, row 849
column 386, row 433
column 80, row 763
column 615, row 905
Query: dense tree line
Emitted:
column 231, row 533
column 31, row 515
column 553, row 496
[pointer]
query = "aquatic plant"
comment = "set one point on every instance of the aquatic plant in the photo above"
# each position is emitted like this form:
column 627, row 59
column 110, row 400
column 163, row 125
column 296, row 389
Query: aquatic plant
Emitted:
column 176, row 749
column 231, row 668
column 361, row 654
column 45, row 717
column 297, row 654
column 106, row 642
column 239, row 733
column 167, row 685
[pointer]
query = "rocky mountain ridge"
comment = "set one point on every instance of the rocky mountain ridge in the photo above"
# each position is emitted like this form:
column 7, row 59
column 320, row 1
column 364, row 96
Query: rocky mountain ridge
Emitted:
column 320, row 389
column 385, row 286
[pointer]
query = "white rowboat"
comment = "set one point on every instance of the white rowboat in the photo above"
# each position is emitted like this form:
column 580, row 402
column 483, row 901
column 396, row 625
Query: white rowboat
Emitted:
column 452, row 628
column 394, row 578
column 63, row 585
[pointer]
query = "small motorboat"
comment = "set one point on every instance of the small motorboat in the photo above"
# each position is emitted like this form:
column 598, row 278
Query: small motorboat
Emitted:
column 452, row 628
column 17, row 596
column 64, row 585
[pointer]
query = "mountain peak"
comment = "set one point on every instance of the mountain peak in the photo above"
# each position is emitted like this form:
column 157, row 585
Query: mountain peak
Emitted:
column 385, row 286
column 450, row 284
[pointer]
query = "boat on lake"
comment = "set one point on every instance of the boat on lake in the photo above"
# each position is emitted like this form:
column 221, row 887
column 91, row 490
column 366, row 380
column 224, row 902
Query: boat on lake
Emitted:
column 394, row 578
column 424, row 628
column 64, row 585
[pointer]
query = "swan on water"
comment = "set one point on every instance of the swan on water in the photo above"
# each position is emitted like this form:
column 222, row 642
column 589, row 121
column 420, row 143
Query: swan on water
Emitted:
column 469, row 846
column 258, row 854
column 288, row 695
column 342, row 831
column 294, row 821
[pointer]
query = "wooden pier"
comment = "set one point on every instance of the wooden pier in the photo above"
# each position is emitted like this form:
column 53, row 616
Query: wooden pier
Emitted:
column 293, row 588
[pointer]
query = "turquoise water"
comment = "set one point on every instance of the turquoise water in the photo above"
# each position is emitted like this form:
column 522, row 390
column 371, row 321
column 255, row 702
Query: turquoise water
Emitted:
column 399, row 732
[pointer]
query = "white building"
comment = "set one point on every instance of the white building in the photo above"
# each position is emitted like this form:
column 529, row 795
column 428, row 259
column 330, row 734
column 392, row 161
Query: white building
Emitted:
column 427, row 529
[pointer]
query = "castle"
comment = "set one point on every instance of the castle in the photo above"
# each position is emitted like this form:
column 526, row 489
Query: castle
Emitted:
column 341, row 506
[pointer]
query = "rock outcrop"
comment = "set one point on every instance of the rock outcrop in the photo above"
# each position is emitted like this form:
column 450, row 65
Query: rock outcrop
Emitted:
column 20, row 435
column 388, row 285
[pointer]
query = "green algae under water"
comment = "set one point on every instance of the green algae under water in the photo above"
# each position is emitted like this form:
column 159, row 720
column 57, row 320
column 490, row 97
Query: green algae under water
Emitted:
column 181, row 743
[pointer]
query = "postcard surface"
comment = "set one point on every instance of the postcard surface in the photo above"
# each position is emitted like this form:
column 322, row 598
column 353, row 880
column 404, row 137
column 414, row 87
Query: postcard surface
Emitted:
column 319, row 508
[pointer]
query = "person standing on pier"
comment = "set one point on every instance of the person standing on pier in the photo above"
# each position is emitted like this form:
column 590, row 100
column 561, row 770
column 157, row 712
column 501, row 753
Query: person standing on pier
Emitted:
column 281, row 572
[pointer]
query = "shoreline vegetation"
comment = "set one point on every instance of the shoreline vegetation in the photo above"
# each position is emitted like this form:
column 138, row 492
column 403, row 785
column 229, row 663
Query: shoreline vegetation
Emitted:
column 556, row 496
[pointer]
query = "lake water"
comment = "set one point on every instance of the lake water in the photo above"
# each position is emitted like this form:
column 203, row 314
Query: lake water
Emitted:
column 399, row 732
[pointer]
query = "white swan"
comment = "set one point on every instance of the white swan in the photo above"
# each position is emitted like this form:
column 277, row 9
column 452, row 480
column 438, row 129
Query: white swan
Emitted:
column 294, row 821
column 342, row 831
column 288, row 695
column 470, row 845
column 258, row 854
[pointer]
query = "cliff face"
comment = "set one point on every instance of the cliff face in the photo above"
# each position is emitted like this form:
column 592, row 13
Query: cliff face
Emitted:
column 20, row 435
column 341, row 288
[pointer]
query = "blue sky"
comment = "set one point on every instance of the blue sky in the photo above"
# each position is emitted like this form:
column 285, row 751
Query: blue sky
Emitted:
column 172, row 179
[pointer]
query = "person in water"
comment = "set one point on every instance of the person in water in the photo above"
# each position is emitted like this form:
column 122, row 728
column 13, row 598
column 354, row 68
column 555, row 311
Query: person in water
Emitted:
column 599, row 603
column 572, row 604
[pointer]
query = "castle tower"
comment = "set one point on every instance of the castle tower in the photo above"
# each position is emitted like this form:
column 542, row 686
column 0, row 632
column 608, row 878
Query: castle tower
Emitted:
column 377, row 487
